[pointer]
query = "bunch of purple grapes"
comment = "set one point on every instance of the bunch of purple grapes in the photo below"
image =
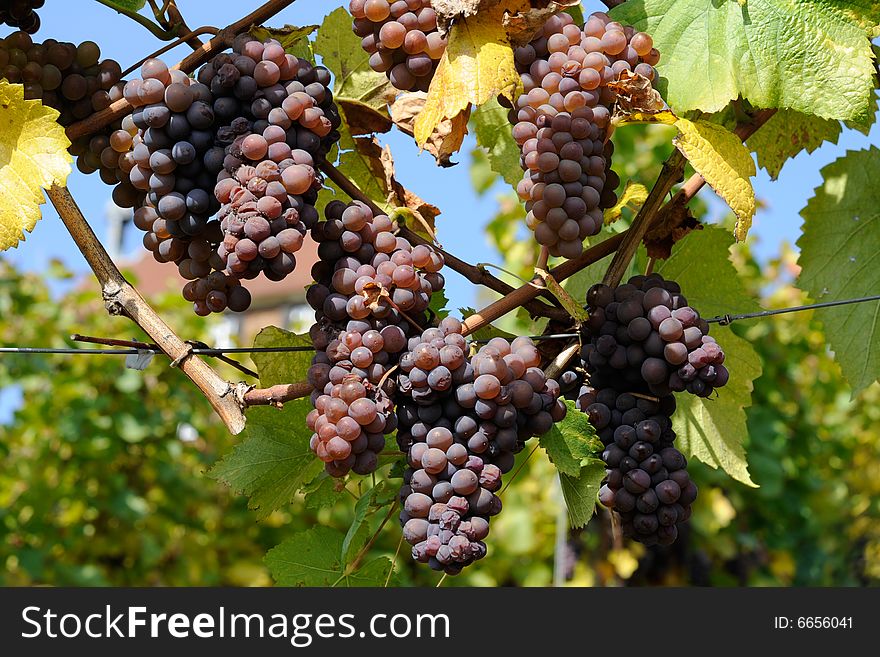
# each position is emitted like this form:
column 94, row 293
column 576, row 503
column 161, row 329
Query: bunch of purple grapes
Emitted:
column 243, row 138
column 174, row 123
column 350, row 420
column 401, row 38
column 562, row 124
column 645, row 331
column 646, row 477
column 371, row 293
column 21, row 14
column 76, row 82
column 461, row 423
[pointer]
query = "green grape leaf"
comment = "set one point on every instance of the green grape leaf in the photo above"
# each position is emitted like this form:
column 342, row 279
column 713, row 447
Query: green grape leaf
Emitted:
column 482, row 176
column 312, row 558
column 553, row 442
column 786, row 134
column 571, row 441
column 359, row 91
column 580, row 493
column 358, row 531
column 813, row 57
column 714, row 430
column 489, row 123
column 284, row 367
column 839, row 260
column 274, row 461
column 322, row 492
column 439, row 304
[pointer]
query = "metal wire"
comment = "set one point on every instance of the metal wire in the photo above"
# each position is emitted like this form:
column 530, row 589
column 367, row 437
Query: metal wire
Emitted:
column 722, row 320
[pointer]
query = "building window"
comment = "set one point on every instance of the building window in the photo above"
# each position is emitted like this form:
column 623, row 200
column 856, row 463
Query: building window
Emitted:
column 300, row 318
column 226, row 332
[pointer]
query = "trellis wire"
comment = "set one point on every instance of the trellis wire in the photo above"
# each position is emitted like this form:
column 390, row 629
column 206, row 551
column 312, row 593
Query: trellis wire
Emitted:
column 722, row 320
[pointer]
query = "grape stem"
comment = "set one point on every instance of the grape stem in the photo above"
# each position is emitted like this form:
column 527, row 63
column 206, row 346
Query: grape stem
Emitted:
column 476, row 275
column 189, row 64
column 207, row 29
column 672, row 172
column 154, row 29
column 121, row 298
column 169, row 17
column 543, row 257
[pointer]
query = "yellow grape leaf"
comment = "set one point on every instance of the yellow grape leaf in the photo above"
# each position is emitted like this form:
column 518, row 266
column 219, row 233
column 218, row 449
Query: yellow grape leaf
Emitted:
column 33, row 155
column 634, row 195
column 477, row 65
column 726, row 164
column 448, row 135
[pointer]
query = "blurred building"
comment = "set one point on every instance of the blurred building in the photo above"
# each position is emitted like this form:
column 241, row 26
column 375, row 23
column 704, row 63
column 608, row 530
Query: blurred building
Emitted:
column 282, row 304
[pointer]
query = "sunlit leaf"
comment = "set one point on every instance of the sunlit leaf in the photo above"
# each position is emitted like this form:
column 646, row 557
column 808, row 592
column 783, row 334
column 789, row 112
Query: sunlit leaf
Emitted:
column 840, row 260
column 725, row 163
column 33, row 157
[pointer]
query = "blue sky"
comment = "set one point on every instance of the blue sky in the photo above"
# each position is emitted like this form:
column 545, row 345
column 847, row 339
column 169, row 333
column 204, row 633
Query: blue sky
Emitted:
column 464, row 213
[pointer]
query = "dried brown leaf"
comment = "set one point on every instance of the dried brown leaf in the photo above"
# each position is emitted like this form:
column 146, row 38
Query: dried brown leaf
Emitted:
column 447, row 137
column 363, row 119
column 636, row 94
column 521, row 20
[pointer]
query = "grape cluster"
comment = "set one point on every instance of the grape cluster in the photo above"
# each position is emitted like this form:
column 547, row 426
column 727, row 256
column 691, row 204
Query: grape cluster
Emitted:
column 169, row 133
column 371, row 293
column 21, row 14
column 461, row 423
column 401, row 38
column 242, row 138
column 562, row 124
column 282, row 119
column 76, row 82
column 646, row 477
column 646, row 332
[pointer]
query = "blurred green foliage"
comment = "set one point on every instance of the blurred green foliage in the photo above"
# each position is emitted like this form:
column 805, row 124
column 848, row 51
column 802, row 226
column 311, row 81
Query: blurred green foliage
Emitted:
column 97, row 486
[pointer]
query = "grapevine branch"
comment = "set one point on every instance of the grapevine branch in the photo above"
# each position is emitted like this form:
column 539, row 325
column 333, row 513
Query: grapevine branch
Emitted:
column 673, row 169
column 189, row 64
column 121, row 298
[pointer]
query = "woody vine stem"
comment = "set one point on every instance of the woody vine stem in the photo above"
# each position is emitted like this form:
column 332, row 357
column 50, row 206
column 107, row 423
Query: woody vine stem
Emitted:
column 230, row 400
